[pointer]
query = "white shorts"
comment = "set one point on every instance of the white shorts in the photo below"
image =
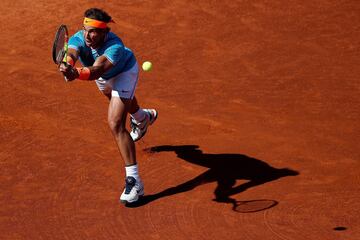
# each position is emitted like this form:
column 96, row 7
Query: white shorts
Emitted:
column 122, row 85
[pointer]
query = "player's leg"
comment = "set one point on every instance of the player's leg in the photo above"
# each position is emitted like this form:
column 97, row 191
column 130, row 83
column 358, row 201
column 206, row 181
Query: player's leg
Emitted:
column 116, row 119
column 134, row 106
column 123, row 101
column 124, row 84
column 117, row 114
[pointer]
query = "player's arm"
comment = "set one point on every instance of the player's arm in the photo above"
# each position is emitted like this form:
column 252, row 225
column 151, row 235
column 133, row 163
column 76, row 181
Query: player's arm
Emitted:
column 100, row 66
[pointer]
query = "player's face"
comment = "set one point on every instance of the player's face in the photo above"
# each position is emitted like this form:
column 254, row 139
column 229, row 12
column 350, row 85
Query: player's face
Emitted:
column 94, row 37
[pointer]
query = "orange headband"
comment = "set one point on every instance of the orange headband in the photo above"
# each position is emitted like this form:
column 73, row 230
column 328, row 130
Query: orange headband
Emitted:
column 95, row 23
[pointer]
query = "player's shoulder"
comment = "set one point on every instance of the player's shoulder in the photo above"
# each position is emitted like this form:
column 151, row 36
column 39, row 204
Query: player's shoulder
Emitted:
column 77, row 37
column 112, row 35
column 79, row 34
column 77, row 40
column 113, row 39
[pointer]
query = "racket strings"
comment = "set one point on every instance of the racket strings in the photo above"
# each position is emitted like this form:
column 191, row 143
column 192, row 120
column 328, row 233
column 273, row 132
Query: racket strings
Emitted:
column 59, row 44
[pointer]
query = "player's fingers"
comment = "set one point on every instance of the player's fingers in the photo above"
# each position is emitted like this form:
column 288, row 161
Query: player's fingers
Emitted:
column 65, row 68
column 62, row 68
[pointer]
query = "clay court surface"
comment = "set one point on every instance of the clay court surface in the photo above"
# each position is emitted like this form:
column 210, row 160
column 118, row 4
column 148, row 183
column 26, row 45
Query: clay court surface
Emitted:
column 257, row 135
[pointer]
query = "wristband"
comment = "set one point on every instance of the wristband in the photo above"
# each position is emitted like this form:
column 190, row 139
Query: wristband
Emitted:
column 84, row 73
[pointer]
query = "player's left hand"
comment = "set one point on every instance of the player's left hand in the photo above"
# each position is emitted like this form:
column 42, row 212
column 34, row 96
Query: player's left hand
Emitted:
column 69, row 72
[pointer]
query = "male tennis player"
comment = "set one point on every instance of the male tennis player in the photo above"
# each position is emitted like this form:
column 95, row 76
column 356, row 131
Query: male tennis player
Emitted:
column 114, row 68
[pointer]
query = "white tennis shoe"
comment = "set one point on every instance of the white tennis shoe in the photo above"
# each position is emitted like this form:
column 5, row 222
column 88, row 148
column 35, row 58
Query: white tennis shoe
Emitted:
column 132, row 191
column 138, row 129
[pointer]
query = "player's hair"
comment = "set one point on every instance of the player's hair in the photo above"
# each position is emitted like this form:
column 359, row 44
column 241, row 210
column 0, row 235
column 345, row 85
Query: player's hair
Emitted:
column 98, row 14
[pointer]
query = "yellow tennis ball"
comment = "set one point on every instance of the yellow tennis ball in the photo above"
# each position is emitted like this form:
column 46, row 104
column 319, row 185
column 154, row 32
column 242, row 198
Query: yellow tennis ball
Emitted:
column 147, row 66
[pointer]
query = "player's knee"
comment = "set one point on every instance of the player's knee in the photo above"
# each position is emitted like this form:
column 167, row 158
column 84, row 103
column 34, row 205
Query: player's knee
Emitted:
column 116, row 127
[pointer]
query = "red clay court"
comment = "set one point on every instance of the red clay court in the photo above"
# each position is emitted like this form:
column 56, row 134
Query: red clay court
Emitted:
column 257, row 136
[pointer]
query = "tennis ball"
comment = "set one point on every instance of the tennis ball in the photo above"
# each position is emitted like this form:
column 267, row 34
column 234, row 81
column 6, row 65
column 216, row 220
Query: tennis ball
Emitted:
column 147, row 66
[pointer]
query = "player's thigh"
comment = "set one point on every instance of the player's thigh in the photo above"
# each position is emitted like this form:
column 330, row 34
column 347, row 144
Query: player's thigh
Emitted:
column 118, row 109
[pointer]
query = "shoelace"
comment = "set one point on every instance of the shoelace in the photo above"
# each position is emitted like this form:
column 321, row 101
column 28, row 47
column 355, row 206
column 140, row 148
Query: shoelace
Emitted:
column 129, row 186
column 135, row 125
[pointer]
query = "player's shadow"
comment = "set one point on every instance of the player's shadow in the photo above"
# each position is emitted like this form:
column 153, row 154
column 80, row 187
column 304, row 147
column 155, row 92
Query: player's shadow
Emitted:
column 224, row 169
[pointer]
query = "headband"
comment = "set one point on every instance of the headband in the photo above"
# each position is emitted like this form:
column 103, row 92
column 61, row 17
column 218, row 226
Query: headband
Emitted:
column 95, row 23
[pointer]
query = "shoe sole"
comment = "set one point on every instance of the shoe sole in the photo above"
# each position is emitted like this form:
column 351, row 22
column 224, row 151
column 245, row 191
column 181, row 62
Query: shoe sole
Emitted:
column 128, row 202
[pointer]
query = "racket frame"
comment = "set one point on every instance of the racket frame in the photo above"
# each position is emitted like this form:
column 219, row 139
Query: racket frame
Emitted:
column 64, row 51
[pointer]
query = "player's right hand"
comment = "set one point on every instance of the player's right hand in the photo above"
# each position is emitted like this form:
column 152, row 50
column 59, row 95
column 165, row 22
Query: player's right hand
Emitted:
column 69, row 72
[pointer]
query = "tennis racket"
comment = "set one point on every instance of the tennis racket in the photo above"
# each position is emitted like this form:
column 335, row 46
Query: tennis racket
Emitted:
column 60, row 47
column 253, row 205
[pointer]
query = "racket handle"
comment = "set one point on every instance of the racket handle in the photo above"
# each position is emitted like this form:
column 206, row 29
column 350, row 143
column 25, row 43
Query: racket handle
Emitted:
column 66, row 64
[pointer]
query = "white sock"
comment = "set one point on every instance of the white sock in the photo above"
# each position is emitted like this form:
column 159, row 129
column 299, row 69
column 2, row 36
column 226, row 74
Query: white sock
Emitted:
column 132, row 171
column 139, row 115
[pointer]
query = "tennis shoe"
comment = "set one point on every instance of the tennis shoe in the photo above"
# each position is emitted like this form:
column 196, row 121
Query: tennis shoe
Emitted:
column 132, row 191
column 138, row 129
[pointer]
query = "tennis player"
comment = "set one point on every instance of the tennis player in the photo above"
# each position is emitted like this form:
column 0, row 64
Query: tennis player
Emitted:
column 114, row 68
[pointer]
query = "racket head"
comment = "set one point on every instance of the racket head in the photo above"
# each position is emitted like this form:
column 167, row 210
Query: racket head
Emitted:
column 253, row 205
column 60, row 46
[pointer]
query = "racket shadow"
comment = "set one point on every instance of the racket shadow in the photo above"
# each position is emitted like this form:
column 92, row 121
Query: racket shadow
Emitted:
column 224, row 169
